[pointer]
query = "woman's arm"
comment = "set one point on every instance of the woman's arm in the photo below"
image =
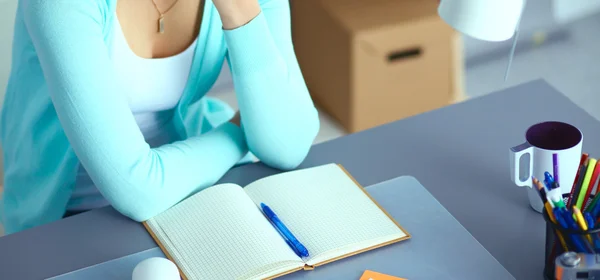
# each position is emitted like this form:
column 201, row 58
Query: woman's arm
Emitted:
column 278, row 116
column 138, row 181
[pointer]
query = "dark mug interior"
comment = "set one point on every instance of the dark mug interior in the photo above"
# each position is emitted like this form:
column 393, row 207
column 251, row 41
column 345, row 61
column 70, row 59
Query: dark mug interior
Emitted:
column 553, row 136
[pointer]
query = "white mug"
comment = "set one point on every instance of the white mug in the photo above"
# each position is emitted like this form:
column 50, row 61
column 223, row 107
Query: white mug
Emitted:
column 534, row 157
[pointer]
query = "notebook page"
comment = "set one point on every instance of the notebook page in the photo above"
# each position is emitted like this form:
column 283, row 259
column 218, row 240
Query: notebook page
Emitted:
column 219, row 233
column 326, row 211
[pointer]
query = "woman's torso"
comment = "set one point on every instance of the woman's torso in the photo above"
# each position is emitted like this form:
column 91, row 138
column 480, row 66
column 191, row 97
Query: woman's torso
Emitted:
column 153, row 86
column 43, row 180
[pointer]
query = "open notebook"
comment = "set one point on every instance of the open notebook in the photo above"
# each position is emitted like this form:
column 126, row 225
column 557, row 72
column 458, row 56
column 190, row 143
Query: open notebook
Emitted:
column 221, row 233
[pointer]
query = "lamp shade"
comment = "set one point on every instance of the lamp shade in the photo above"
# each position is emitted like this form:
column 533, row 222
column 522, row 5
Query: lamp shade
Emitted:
column 488, row 20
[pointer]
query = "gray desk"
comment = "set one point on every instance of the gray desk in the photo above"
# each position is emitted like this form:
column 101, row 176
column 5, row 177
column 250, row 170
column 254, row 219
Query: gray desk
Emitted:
column 460, row 153
column 431, row 253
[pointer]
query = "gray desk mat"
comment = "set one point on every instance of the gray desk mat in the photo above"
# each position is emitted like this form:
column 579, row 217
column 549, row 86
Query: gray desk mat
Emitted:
column 440, row 248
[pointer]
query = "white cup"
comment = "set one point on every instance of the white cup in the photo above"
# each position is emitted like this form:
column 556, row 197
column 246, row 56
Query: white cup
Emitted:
column 534, row 157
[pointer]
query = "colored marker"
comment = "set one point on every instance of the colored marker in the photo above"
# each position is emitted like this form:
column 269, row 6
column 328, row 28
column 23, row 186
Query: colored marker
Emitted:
column 542, row 192
column 592, row 184
column 548, row 180
column 579, row 218
column 568, row 217
column 561, row 218
column 555, row 196
column 582, row 161
column 577, row 187
column 555, row 163
column 582, row 224
column 586, row 182
column 591, row 224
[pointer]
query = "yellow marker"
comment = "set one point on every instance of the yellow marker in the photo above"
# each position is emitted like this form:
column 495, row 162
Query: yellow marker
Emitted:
column 562, row 241
column 581, row 221
column 550, row 212
column 586, row 182
column 579, row 218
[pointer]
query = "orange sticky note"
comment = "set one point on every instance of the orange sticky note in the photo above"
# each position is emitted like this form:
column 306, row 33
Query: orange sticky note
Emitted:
column 372, row 275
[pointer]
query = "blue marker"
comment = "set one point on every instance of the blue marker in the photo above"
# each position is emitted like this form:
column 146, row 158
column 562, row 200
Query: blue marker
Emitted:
column 549, row 181
column 290, row 239
column 595, row 210
column 561, row 218
column 558, row 215
column 589, row 220
column 568, row 217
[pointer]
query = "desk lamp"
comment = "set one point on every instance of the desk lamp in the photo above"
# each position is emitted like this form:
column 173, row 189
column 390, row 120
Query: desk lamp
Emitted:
column 488, row 20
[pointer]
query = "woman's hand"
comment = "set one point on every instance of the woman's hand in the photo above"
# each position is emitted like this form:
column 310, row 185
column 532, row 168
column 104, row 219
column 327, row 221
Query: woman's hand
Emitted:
column 236, row 13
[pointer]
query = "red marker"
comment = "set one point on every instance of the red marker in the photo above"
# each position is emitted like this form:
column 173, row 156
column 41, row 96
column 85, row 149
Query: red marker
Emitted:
column 592, row 183
column 584, row 158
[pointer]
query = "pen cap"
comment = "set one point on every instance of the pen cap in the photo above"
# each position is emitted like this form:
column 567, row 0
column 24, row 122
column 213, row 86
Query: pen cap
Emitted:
column 560, row 240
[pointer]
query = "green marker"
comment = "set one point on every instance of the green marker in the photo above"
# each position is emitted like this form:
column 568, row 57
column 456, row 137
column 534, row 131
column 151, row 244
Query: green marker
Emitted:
column 592, row 204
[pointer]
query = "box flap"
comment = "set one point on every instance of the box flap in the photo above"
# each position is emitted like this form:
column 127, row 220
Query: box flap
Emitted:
column 359, row 15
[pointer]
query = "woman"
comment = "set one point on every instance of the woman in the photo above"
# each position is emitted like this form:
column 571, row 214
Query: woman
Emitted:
column 105, row 103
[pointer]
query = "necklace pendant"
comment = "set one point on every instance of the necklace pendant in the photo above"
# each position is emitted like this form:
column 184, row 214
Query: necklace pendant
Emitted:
column 161, row 25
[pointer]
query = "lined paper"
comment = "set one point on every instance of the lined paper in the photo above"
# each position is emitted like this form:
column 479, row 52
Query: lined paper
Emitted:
column 325, row 210
column 220, row 233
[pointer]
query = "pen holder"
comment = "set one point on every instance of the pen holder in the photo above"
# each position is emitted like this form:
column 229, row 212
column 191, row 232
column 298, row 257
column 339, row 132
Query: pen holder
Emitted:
column 571, row 238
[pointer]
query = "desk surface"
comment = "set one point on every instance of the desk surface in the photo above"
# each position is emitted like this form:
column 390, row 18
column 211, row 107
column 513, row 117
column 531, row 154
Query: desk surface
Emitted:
column 459, row 153
column 430, row 254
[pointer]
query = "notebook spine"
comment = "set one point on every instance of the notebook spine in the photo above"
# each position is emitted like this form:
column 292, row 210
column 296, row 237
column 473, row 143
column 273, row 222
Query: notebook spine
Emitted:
column 309, row 267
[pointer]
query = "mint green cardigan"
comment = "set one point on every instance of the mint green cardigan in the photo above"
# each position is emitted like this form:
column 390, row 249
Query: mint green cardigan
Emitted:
column 63, row 108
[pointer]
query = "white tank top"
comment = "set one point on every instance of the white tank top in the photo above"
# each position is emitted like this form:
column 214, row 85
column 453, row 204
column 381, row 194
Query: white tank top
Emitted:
column 153, row 87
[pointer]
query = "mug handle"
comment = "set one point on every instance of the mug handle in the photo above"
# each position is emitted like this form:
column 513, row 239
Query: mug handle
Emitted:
column 515, row 166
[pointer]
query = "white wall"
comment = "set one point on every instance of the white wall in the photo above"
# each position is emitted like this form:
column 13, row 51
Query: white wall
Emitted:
column 569, row 10
column 7, row 18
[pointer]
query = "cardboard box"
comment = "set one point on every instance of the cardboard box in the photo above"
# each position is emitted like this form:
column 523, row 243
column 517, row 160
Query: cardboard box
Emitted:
column 370, row 62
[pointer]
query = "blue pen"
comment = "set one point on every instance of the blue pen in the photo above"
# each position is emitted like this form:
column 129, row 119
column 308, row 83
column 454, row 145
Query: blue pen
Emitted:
column 577, row 239
column 549, row 181
column 290, row 239
column 589, row 220
column 595, row 211
column 559, row 215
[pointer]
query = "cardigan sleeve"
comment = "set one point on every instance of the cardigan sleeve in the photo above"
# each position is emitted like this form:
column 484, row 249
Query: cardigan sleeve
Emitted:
column 279, row 119
column 137, row 180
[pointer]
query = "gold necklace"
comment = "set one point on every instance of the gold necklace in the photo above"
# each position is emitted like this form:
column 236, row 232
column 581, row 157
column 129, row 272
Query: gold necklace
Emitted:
column 161, row 22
